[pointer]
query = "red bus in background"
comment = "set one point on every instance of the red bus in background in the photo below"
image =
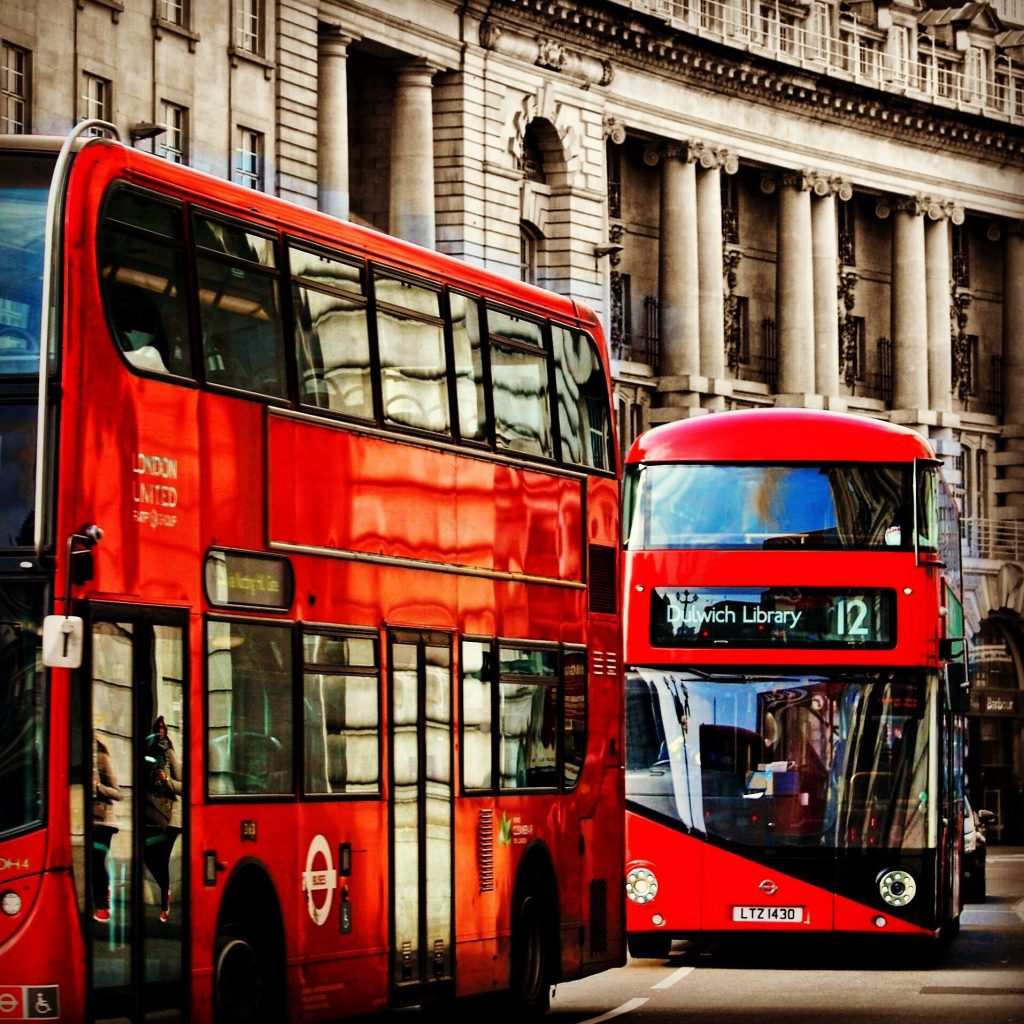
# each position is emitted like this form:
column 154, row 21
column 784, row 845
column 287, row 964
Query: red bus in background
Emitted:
column 795, row 680
column 316, row 535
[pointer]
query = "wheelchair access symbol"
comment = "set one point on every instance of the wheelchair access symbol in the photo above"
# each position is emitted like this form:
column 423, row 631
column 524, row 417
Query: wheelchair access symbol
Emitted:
column 29, row 1002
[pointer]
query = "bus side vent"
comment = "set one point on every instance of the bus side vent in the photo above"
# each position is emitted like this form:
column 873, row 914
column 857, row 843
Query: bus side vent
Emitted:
column 601, row 577
column 485, row 850
column 599, row 916
column 604, row 663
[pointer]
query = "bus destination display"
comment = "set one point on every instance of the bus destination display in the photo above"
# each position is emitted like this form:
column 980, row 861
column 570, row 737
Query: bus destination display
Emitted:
column 772, row 616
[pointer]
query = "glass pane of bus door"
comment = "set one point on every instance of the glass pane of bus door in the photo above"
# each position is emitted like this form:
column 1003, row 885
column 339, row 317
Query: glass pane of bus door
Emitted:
column 421, row 812
column 136, row 858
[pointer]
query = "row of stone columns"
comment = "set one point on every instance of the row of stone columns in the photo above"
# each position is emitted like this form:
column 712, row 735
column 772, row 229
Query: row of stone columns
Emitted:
column 807, row 272
column 411, row 180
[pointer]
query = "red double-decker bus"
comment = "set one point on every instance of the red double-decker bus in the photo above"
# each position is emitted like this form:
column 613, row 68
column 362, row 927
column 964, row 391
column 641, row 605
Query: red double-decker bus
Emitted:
column 795, row 680
column 310, row 698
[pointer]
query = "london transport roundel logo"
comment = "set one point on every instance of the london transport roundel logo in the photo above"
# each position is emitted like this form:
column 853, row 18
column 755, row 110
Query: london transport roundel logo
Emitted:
column 319, row 880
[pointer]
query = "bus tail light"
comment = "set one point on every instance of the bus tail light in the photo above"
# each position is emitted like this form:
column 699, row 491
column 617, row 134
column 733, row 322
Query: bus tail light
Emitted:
column 641, row 885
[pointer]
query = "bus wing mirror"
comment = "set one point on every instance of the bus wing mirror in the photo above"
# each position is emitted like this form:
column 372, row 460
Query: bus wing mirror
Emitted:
column 63, row 640
column 958, row 687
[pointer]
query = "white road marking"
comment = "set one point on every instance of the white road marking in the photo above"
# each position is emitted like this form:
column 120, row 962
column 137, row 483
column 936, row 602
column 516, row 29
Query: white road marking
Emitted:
column 627, row 1007
column 673, row 977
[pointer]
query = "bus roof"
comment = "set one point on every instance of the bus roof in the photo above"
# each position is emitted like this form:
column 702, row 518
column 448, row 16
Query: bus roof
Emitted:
column 243, row 202
column 779, row 435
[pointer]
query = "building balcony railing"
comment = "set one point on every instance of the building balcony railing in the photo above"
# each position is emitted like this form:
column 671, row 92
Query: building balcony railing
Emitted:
column 860, row 53
column 996, row 539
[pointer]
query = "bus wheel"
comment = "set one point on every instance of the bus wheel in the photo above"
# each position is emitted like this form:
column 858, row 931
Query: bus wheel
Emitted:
column 531, row 957
column 649, row 946
column 240, row 984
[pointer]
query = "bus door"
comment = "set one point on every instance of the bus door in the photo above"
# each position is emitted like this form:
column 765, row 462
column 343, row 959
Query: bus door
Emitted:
column 134, row 749
column 420, row 741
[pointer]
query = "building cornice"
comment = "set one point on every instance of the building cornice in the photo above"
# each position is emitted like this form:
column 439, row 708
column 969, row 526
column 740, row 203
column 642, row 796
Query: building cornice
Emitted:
column 634, row 39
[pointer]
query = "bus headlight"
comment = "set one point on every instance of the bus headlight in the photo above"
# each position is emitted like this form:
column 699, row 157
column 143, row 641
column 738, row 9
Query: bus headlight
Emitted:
column 897, row 887
column 641, row 885
column 10, row 903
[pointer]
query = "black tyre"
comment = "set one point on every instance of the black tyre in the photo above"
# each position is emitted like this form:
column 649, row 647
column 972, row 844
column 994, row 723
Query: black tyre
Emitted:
column 649, row 946
column 245, row 988
column 532, row 967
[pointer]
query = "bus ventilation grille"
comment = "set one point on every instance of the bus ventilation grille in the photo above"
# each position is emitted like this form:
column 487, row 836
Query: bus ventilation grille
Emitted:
column 601, row 578
column 485, row 850
column 599, row 916
column 605, row 663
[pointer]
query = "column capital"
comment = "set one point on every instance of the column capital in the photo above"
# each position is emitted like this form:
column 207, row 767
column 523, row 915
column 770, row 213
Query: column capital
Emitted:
column 332, row 38
column 711, row 157
column 942, row 209
column 614, row 130
column 823, row 184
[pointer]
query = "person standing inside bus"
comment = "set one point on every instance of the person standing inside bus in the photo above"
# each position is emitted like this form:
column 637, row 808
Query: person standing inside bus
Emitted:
column 163, row 784
column 105, row 793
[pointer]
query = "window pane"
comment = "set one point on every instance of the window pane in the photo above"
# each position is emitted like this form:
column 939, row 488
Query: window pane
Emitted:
column 522, row 413
column 476, row 715
column 414, row 369
column 235, row 240
column 144, row 284
column 528, row 710
column 584, row 418
column 332, row 336
column 469, row 374
column 574, row 674
column 243, row 344
column 249, row 698
column 341, row 698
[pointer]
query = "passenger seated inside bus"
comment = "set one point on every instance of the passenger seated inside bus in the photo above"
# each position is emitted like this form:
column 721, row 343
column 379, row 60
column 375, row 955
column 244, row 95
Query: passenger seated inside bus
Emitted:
column 138, row 326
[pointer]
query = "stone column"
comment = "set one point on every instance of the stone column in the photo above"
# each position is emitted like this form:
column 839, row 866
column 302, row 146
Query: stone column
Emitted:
column 412, row 156
column 909, row 309
column 677, row 263
column 938, row 279
column 825, row 259
column 1013, row 324
column 332, row 123
column 794, row 296
column 709, row 272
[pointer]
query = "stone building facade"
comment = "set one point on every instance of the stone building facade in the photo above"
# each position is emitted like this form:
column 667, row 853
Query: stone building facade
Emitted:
column 772, row 202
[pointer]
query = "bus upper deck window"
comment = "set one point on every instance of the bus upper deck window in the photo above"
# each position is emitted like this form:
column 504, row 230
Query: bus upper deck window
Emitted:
column 142, row 272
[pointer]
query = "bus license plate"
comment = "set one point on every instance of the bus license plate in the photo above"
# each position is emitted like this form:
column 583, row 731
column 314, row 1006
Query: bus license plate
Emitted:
column 755, row 915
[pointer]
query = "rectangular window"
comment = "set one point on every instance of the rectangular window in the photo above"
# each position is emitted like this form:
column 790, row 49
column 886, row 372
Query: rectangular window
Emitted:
column 584, row 417
column 413, row 360
column 528, row 711
column 341, row 697
column 239, row 308
column 171, row 145
column 175, row 12
column 467, row 347
column 95, row 99
column 520, row 386
column 142, row 271
column 961, row 256
column 14, row 100
column 249, row 709
column 249, row 158
column 249, row 26
column 332, row 336
column 477, row 714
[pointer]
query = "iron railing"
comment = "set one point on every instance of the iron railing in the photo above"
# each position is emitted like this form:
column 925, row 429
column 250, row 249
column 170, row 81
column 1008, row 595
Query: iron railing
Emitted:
column 999, row 539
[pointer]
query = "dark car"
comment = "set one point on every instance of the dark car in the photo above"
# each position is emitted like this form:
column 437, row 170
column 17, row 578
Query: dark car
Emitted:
column 975, row 850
